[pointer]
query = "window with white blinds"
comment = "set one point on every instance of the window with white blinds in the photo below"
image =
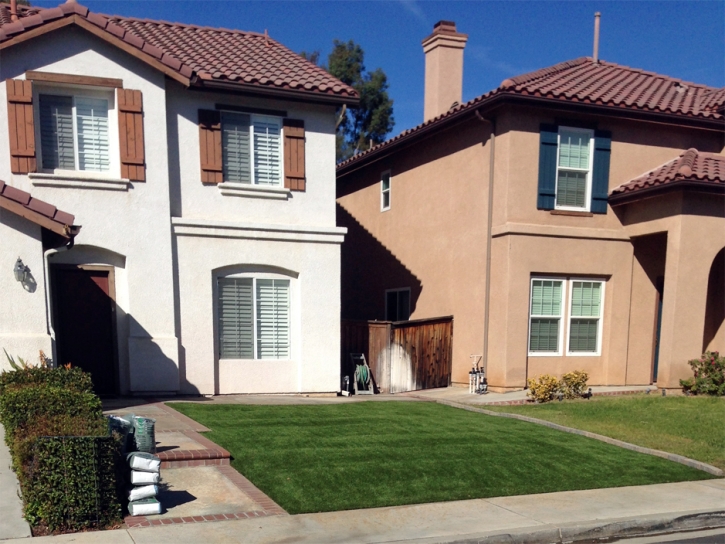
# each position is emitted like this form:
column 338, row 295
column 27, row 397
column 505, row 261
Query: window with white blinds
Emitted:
column 74, row 133
column 254, row 318
column 582, row 322
column 574, row 165
column 252, row 148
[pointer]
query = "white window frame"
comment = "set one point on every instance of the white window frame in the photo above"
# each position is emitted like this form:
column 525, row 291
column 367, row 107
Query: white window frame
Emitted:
column 114, row 159
column 398, row 290
column 598, row 351
column 562, row 317
column 588, row 196
column 254, row 276
column 387, row 191
column 252, row 118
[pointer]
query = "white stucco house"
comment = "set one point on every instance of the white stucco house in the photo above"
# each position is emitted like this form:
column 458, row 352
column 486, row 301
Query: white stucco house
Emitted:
column 200, row 163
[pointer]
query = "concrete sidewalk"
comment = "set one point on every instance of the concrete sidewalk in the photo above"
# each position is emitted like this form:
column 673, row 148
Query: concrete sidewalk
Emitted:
column 553, row 517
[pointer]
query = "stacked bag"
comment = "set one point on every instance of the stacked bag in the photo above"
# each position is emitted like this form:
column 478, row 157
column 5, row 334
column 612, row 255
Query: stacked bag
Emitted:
column 139, row 445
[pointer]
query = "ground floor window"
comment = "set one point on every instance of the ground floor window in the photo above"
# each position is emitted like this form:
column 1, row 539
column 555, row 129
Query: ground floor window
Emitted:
column 397, row 304
column 565, row 306
column 253, row 318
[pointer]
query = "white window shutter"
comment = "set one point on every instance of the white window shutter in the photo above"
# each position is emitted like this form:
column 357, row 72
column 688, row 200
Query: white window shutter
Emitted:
column 236, row 150
column 56, row 132
column 273, row 319
column 236, row 312
column 267, row 147
column 92, row 126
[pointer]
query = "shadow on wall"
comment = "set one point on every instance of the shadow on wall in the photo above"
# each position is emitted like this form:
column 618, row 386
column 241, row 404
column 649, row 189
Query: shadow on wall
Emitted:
column 368, row 269
column 714, row 333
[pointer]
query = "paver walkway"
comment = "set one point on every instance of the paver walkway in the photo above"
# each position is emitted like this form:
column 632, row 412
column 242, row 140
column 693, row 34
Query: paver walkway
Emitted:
column 12, row 524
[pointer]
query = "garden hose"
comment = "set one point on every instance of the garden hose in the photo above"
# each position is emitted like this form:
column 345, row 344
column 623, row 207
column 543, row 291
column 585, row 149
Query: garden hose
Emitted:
column 362, row 376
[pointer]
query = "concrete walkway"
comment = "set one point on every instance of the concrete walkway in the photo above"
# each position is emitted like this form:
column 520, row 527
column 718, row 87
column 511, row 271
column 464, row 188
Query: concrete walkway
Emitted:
column 554, row 517
column 12, row 524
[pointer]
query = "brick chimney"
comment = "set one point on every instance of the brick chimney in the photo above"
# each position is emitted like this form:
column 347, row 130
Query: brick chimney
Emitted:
column 443, row 68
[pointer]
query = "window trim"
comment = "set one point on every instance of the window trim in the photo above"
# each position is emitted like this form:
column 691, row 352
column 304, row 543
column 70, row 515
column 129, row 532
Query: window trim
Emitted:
column 114, row 151
column 252, row 176
column 396, row 290
column 562, row 317
column 254, row 276
column 590, row 171
column 387, row 191
column 598, row 351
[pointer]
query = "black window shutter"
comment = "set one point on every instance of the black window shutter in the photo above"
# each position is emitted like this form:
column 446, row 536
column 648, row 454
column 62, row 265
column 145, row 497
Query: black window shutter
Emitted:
column 548, row 142
column 600, row 174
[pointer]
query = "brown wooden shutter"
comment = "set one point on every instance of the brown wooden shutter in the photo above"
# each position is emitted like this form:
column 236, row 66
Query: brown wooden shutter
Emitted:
column 294, row 154
column 131, row 137
column 210, row 146
column 21, row 125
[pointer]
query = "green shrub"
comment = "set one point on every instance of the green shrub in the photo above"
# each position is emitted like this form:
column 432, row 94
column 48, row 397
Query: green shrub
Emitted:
column 709, row 377
column 573, row 384
column 543, row 388
column 21, row 405
column 65, row 378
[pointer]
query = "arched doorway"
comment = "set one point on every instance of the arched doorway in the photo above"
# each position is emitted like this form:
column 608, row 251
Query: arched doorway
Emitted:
column 714, row 333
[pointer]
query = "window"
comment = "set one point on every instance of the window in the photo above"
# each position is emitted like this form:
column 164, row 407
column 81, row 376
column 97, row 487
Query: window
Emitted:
column 584, row 319
column 251, row 148
column 573, row 172
column 397, row 304
column 253, row 318
column 74, row 132
column 385, row 191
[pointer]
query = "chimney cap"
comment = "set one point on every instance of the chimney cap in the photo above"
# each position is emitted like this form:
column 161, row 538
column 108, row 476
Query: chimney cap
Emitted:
column 446, row 30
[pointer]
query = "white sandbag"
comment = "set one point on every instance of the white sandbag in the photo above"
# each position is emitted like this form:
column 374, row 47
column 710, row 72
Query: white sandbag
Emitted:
column 145, row 462
column 144, row 507
column 143, row 492
column 144, row 478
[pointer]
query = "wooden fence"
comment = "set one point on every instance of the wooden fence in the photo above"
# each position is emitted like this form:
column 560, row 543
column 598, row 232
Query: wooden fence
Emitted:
column 403, row 355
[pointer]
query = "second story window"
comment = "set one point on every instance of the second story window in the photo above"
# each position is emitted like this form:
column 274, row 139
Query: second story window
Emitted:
column 251, row 148
column 385, row 191
column 74, row 133
column 573, row 176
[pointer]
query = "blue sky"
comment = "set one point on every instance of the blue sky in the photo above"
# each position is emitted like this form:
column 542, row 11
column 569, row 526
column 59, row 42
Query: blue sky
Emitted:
column 506, row 38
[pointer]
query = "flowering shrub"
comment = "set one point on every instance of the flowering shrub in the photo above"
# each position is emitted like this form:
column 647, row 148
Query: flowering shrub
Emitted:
column 709, row 376
column 543, row 388
column 573, row 384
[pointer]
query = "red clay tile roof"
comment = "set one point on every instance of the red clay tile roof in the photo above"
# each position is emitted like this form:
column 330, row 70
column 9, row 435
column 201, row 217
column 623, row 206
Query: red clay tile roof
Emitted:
column 197, row 53
column 600, row 83
column 691, row 166
column 37, row 210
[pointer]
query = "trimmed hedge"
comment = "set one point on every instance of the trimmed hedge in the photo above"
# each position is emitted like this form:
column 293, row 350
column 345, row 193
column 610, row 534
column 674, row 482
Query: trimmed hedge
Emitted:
column 67, row 463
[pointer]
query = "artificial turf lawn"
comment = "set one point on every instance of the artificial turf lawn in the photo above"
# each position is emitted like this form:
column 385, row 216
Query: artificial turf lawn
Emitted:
column 689, row 426
column 319, row 458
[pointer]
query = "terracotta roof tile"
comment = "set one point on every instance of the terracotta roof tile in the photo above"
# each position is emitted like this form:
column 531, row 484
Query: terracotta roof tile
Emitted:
column 211, row 54
column 63, row 219
column 599, row 83
column 690, row 166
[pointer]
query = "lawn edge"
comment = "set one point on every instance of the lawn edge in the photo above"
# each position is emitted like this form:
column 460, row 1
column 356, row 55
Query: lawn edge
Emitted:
column 692, row 463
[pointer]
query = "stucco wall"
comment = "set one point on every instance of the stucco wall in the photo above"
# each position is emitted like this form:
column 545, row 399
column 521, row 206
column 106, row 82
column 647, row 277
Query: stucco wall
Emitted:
column 134, row 222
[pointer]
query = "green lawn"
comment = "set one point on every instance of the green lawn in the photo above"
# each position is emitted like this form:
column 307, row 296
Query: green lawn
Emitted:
column 689, row 426
column 361, row 455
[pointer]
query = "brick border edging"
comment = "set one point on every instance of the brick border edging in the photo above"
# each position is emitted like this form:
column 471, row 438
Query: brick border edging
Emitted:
column 522, row 402
column 699, row 465
column 133, row 522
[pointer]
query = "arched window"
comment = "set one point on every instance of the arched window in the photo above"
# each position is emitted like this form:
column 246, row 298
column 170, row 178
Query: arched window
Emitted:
column 253, row 313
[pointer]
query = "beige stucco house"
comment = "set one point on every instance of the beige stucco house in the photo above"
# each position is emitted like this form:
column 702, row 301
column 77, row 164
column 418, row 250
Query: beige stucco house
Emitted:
column 572, row 218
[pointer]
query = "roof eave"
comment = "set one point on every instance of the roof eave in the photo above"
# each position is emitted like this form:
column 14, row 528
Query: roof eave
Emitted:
column 287, row 94
column 629, row 197
column 66, row 231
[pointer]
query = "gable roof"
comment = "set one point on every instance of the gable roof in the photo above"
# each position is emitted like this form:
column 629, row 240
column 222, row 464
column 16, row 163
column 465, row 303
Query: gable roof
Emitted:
column 38, row 211
column 692, row 168
column 585, row 82
column 193, row 55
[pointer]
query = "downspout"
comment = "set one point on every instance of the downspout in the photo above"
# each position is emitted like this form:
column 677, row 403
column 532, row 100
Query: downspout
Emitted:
column 48, row 298
column 487, row 302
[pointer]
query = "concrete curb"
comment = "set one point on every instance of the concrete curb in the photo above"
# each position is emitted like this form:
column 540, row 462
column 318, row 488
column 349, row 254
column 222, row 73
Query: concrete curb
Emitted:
column 699, row 465
column 657, row 524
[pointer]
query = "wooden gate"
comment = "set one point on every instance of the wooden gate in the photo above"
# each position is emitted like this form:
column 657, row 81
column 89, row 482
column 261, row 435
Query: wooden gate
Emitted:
column 403, row 355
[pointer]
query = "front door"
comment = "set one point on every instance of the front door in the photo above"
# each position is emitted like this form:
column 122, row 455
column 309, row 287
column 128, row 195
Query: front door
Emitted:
column 84, row 322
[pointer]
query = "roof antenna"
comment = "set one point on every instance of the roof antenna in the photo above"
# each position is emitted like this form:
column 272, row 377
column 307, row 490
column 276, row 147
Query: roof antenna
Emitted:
column 14, row 11
column 595, row 56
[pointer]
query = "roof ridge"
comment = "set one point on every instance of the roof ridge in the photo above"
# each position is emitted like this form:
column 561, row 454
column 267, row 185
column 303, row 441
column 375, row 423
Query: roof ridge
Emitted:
column 145, row 20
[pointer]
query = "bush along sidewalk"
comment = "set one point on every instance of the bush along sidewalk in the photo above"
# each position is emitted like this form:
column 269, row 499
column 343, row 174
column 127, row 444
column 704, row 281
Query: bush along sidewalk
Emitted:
column 545, row 388
column 709, row 377
column 67, row 461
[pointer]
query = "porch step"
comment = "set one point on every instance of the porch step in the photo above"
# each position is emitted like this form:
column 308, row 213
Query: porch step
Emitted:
column 186, row 448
